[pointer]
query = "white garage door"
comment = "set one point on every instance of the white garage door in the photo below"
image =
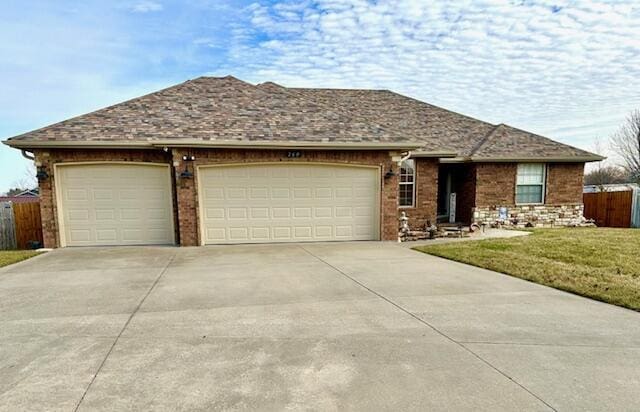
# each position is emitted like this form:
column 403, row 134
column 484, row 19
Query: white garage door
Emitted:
column 288, row 203
column 114, row 204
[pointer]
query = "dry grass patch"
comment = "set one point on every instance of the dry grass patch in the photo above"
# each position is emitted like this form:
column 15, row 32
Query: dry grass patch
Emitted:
column 8, row 257
column 602, row 264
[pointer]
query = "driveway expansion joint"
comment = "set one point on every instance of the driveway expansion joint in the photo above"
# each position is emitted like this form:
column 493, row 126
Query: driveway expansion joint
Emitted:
column 424, row 322
column 124, row 327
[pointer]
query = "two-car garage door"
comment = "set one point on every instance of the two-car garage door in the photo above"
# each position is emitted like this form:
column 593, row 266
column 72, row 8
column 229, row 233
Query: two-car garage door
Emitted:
column 288, row 202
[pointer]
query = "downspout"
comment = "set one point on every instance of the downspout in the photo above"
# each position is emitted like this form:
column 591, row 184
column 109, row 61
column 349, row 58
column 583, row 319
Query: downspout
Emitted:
column 28, row 156
column 402, row 159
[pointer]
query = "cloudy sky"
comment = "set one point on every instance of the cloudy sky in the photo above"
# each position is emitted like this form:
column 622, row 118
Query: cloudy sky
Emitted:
column 569, row 70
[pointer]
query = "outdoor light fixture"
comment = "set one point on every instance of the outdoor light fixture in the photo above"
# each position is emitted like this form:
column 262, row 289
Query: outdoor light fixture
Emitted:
column 42, row 174
column 186, row 174
column 389, row 174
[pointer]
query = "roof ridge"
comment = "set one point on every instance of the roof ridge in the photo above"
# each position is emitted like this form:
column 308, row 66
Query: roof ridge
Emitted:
column 484, row 139
column 356, row 89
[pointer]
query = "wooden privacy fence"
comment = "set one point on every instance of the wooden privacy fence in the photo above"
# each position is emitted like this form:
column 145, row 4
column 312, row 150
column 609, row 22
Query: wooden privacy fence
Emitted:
column 609, row 209
column 20, row 225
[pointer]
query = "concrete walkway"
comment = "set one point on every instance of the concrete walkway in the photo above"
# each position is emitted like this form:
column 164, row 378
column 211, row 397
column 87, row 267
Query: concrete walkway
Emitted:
column 364, row 326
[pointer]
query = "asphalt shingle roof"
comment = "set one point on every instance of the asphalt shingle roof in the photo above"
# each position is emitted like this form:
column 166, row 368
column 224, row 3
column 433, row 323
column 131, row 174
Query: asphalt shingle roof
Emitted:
column 228, row 109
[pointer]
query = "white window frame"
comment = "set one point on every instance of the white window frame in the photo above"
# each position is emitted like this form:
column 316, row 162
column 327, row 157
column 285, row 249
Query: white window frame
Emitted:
column 413, row 183
column 544, row 184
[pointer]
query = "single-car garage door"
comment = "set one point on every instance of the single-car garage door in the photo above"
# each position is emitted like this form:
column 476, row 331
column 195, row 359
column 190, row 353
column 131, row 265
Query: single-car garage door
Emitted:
column 114, row 204
column 288, row 202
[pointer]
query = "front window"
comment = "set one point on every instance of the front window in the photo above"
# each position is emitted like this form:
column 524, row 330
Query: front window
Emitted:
column 530, row 183
column 407, row 183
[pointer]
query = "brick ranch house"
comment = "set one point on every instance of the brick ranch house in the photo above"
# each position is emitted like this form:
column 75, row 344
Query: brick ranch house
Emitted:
column 219, row 160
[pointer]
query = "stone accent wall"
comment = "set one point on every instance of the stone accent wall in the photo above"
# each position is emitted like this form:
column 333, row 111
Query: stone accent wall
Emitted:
column 426, row 207
column 188, row 219
column 47, row 158
column 532, row 216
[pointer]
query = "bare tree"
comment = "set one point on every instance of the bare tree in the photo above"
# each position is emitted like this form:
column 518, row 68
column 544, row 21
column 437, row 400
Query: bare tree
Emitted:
column 27, row 180
column 626, row 142
column 604, row 175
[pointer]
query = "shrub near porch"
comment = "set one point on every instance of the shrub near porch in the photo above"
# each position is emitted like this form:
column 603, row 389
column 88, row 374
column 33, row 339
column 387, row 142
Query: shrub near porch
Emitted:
column 602, row 264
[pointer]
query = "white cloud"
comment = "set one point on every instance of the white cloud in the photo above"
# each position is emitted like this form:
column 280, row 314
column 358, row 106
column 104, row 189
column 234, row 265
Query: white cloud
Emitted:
column 146, row 7
column 569, row 70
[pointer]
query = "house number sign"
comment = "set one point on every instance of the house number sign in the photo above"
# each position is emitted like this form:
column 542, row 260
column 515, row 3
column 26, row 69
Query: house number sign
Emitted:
column 294, row 155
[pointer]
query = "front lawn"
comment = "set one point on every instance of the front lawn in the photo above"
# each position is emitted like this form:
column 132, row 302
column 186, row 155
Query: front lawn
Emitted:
column 8, row 257
column 602, row 264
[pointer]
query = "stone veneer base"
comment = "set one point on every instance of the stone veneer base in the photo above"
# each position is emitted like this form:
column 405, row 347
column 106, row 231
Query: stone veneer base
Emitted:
column 532, row 215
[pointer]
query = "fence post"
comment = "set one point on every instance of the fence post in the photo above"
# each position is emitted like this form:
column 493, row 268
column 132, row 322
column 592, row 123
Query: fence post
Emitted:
column 635, row 208
column 7, row 227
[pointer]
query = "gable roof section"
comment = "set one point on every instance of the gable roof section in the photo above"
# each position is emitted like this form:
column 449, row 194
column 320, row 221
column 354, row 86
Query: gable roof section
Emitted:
column 228, row 111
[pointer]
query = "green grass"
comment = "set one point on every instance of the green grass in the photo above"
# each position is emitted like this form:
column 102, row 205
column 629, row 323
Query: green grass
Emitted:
column 602, row 264
column 8, row 257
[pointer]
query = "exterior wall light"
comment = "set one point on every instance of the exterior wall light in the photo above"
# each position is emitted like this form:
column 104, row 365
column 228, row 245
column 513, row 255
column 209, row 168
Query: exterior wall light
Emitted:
column 186, row 174
column 42, row 174
column 389, row 174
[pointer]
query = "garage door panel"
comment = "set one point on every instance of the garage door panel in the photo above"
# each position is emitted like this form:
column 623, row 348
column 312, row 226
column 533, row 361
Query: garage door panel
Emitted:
column 323, row 212
column 259, row 213
column 106, row 235
column 78, row 215
column 112, row 204
column 216, row 234
column 256, row 193
column 302, row 212
column 288, row 203
column 77, row 195
column 260, row 233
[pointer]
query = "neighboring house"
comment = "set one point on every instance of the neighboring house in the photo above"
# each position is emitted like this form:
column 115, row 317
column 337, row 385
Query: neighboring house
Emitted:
column 27, row 196
column 219, row 160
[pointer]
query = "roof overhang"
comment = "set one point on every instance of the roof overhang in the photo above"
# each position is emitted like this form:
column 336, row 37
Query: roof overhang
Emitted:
column 280, row 144
column 438, row 154
column 538, row 159
column 545, row 159
column 71, row 144
column 214, row 144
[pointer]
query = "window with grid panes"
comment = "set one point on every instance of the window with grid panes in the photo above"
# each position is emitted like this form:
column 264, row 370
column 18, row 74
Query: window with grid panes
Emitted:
column 407, row 183
column 530, row 183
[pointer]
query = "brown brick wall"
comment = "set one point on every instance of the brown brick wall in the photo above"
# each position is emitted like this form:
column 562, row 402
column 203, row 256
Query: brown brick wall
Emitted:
column 47, row 158
column 564, row 183
column 426, row 207
column 496, row 184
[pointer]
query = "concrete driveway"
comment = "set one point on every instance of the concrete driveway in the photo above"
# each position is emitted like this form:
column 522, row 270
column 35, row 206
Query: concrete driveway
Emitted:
column 368, row 326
